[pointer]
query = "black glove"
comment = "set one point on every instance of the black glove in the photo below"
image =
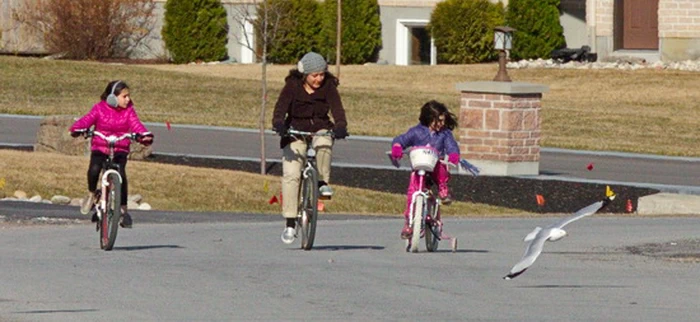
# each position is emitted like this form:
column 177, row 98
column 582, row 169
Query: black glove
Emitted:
column 340, row 133
column 146, row 139
column 280, row 128
column 76, row 134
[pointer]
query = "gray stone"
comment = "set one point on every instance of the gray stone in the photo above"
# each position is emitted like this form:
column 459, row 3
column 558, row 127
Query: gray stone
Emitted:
column 19, row 194
column 132, row 205
column 53, row 136
column 60, row 200
column 135, row 197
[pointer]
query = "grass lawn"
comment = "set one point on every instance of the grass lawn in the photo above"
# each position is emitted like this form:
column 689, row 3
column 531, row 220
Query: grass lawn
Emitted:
column 645, row 111
column 182, row 188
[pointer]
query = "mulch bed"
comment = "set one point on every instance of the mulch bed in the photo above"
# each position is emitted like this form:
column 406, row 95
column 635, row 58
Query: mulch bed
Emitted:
column 511, row 192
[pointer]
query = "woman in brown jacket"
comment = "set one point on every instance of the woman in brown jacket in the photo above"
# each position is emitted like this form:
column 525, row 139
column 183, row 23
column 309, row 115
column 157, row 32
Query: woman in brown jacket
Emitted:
column 309, row 94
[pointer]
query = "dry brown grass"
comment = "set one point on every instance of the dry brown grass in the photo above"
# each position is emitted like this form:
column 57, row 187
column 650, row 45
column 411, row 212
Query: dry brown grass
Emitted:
column 181, row 188
column 646, row 111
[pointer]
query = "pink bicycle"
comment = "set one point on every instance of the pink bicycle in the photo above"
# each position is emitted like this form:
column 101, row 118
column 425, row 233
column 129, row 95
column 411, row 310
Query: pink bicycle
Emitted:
column 424, row 211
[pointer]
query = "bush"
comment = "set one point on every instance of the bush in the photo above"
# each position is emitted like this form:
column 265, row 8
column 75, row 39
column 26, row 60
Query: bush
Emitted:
column 294, row 28
column 195, row 30
column 361, row 34
column 538, row 28
column 463, row 30
column 89, row 29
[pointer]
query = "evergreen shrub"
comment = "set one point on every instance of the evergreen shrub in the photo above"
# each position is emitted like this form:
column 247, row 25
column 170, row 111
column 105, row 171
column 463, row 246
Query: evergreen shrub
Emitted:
column 538, row 29
column 195, row 30
column 361, row 33
column 463, row 30
column 294, row 28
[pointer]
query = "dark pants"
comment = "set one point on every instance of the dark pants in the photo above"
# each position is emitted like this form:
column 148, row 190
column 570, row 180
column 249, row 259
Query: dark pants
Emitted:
column 97, row 159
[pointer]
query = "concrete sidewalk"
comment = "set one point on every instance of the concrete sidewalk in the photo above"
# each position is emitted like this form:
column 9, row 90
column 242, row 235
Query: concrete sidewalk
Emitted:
column 669, row 204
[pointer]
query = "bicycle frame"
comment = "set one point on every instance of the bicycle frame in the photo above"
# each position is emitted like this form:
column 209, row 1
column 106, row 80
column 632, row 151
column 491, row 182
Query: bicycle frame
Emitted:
column 109, row 168
column 430, row 212
column 108, row 209
column 307, row 210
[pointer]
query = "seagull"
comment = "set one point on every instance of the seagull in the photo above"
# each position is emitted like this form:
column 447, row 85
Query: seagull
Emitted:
column 535, row 240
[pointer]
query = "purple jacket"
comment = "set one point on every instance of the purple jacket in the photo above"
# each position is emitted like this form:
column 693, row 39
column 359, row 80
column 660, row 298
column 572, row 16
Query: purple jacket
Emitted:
column 443, row 141
column 110, row 121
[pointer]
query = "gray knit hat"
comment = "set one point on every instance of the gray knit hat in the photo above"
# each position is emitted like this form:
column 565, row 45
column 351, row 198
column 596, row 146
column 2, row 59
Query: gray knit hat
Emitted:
column 312, row 63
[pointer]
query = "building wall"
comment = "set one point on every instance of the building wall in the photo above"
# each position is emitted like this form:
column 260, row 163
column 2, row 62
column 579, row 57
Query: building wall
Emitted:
column 679, row 29
column 13, row 36
column 390, row 19
column 573, row 19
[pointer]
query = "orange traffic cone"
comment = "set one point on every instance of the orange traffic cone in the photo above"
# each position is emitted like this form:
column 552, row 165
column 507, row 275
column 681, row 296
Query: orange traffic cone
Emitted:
column 628, row 206
column 540, row 200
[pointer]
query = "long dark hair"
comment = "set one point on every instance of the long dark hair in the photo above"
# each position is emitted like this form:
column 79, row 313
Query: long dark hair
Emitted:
column 432, row 110
column 117, row 90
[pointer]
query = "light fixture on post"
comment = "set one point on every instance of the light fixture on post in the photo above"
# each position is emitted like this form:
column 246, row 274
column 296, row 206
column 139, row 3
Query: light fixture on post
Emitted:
column 503, row 40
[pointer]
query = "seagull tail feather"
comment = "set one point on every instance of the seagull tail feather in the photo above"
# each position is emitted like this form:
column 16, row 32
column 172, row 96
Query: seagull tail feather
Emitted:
column 513, row 275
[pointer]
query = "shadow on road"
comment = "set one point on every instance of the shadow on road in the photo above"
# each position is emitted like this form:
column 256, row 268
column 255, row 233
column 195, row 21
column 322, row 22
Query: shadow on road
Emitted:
column 130, row 248
column 54, row 311
column 462, row 251
column 574, row 286
column 347, row 247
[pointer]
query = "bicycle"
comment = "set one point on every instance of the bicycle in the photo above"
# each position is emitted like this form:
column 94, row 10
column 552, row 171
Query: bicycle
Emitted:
column 307, row 213
column 108, row 206
column 424, row 210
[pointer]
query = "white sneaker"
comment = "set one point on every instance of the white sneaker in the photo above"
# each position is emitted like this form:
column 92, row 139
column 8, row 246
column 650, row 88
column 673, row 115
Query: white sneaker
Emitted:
column 87, row 204
column 325, row 191
column 288, row 235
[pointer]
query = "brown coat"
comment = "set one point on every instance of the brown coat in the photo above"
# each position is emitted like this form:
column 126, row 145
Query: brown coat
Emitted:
column 309, row 112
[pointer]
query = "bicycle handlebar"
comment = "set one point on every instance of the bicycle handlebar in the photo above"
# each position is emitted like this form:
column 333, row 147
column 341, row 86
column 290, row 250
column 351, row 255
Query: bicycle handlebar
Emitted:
column 303, row 133
column 462, row 162
column 110, row 138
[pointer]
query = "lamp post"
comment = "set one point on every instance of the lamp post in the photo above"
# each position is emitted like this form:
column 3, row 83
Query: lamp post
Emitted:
column 503, row 40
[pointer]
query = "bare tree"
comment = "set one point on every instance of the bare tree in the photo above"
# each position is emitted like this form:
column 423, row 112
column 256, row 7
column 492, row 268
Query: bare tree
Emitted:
column 89, row 29
column 266, row 25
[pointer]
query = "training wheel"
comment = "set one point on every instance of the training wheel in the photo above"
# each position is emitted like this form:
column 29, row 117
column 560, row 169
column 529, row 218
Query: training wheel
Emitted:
column 454, row 244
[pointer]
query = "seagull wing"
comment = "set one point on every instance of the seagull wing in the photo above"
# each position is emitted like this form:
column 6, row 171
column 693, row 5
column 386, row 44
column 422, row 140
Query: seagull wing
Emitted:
column 583, row 212
column 532, row 250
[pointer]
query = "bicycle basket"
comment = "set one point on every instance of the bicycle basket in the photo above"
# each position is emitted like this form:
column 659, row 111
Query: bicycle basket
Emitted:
column 423, row 158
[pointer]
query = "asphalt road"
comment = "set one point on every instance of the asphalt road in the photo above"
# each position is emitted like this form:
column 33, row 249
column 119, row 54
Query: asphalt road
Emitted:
column 179, row 266
column 668, row 174
column 236, row 268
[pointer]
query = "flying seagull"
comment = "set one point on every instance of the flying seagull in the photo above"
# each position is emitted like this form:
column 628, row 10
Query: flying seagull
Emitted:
column 535, row 240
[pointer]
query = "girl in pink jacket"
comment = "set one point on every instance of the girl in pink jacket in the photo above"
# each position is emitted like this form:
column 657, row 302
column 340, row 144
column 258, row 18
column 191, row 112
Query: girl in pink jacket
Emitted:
column 113, row 115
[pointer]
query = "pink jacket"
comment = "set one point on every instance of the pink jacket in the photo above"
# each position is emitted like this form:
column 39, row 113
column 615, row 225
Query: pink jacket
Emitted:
column 110, row 121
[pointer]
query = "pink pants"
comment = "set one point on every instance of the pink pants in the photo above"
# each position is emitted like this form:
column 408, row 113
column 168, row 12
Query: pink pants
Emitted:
column 440, row 175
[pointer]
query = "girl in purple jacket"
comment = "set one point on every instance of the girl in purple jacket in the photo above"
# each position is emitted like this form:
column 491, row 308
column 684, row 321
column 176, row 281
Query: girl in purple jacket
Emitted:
column 435, row 129
column 113, row 115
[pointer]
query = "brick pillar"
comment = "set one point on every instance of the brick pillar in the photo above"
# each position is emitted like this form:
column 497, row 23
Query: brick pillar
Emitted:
column 499, row 126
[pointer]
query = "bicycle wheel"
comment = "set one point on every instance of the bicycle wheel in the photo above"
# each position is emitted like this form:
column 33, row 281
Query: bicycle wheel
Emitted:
column 417, row 223
column 309, row 209
column 110, row 217
column 432, row 228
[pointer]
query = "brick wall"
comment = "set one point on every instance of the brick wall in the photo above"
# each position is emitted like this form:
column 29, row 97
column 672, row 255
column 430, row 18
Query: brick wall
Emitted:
column 500, row 127
column 604, row 17
column 679, row 18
